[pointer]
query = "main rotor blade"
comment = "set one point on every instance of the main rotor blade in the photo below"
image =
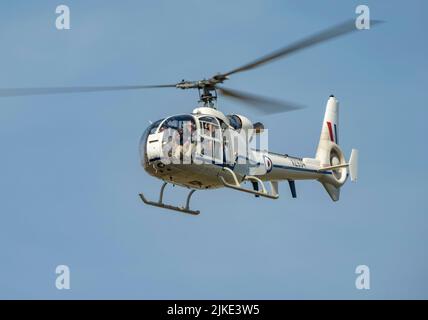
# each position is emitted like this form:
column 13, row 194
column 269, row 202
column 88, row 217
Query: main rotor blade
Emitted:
column 263, row 104
column 328, row 34
column 17, row 92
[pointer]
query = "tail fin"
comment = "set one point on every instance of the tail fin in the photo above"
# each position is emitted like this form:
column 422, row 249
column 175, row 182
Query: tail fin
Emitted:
column 329, row 131
column 330, row 155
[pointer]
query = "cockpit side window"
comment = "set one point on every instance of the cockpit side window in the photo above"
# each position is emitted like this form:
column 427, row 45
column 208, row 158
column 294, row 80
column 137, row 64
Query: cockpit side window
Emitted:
column 209, row 127
column 235, row 122
column 211, row 139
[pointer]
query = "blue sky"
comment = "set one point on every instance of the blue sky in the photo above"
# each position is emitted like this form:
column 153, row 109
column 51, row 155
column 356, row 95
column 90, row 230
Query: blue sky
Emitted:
column 70, row 171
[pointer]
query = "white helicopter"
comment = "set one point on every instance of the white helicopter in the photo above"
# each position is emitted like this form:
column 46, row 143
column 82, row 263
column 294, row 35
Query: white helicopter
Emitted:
column 220, row 167
column 215, row 161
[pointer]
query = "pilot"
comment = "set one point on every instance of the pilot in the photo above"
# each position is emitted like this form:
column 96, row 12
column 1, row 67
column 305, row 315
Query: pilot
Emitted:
column 208, row 143
column 189, row 140
column 211, row 130
column 177, row 148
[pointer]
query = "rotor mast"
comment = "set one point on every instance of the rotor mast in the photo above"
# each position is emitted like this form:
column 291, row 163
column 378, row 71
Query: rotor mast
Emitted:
column 208, row 97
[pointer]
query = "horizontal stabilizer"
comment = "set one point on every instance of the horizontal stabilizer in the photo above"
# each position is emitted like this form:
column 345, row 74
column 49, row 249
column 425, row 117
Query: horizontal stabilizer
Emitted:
column 353, row 165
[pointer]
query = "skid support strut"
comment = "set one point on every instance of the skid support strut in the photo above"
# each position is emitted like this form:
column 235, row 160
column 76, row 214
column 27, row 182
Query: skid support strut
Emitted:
column 161, row 204
column 273, row 194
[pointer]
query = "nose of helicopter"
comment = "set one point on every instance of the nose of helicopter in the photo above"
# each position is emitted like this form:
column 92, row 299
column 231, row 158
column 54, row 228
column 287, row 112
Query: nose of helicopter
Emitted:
column 150, row 149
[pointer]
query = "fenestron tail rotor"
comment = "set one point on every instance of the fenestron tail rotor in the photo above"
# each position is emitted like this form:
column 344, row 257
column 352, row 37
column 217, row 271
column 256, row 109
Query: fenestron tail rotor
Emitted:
column 206, row 87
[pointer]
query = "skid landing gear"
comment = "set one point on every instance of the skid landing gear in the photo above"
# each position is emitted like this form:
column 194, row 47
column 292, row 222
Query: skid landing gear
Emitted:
column 160, row 203
column 273, row 194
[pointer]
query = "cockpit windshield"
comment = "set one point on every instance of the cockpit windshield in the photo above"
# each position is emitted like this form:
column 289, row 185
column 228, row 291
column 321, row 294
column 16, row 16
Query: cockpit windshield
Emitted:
column 143, row 141
column 154, row 126
column 179, row 123
column 179, row 138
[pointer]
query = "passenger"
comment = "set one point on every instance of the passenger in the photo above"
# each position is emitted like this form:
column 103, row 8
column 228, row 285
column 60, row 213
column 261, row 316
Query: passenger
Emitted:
column 208, row 143
column 188, row 141
column 177, row 148
column 211, row 130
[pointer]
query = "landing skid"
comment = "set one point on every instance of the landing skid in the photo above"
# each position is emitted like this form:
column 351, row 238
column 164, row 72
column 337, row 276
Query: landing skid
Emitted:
column 273, row 194
column 160, row 203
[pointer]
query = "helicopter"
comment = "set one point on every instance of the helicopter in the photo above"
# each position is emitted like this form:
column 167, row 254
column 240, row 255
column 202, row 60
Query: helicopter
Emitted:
column 208, row 149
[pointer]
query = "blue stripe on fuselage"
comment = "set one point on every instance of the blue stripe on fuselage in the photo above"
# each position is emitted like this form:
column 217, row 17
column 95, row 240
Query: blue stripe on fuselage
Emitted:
column 275, row 166
column 299, row 169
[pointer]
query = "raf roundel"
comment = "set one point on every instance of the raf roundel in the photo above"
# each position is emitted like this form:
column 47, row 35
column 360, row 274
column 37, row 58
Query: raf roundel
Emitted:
column 268, row 164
